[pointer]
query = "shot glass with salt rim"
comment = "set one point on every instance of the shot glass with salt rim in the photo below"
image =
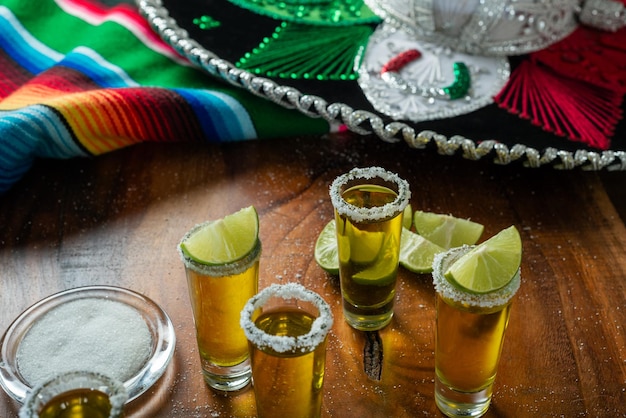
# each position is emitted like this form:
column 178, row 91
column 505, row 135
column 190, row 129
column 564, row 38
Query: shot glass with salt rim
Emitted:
column 287, row 327
column 217, row 294
column 369, row 205
column 81, row 393
column 469, row 336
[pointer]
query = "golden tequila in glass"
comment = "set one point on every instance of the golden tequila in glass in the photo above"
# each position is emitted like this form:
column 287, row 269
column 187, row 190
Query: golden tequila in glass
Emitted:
column 369, row 205
column 217, row 294
column 287, row 326
column 470, row 331
column 78, row 394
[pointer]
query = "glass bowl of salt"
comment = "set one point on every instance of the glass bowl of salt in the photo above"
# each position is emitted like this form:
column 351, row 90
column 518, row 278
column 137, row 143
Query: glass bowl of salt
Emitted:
column 103, row 329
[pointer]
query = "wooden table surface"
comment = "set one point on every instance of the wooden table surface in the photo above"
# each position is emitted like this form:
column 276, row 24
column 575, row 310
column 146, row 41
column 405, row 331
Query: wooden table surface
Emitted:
column 116, row 220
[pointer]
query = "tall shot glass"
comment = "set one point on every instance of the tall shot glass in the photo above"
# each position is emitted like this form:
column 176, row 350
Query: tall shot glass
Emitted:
column 470, row 332
column 287, row 328
column 369, row 205
column 217, row 294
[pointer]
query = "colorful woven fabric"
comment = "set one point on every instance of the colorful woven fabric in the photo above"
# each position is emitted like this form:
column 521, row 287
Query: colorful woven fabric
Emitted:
column 79, row 79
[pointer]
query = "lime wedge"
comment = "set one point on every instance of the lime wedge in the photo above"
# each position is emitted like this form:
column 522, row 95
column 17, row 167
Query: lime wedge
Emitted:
column 326, row 253
column 445, row 230
column 225, row 240
column 417, row 253
column 383, row 272
column 407, row 217
column 358, row 246
column 365, row 246
column 490, row 265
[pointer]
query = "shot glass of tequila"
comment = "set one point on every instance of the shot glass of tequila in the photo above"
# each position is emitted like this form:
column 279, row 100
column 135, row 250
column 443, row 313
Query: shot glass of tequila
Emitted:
column 217, row 294
column 287, row 328
column 470, row 330
column 76, row 394
column 369, row 204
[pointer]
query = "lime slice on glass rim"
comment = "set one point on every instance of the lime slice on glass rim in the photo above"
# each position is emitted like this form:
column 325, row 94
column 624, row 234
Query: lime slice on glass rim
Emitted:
column 490, row 265
column 224, row 240
column 417, row 253
column 446, row 231
column 326, row 254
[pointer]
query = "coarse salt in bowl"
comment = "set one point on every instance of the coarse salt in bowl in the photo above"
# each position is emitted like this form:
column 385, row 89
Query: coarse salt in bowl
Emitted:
column 125, row 326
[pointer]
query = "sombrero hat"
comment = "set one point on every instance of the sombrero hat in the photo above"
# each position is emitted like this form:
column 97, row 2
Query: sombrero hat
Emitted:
column 540, row 81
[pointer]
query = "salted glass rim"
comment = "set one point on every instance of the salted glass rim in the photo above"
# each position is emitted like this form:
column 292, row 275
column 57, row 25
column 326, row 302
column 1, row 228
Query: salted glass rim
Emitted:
column 449, row 291
column 374, row 214
column 77, row 379
column 282, row 343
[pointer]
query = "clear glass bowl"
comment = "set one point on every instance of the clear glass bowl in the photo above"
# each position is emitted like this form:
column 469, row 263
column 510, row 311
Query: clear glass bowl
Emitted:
column 159, row 325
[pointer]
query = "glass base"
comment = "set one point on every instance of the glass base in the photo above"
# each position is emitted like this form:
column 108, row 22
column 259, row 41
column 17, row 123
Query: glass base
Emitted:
column 227, row 379
column 454, row 403
column 364, row 322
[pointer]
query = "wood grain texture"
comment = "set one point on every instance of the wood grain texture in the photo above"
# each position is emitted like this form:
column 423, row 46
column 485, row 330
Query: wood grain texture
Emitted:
column 117, row 219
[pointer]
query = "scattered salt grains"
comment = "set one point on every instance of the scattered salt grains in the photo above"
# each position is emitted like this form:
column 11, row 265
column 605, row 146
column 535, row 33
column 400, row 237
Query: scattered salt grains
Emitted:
column 95, row 334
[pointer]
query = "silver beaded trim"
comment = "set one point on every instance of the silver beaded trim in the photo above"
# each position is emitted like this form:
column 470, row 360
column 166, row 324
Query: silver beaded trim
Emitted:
column 609, row 15
column 364, row 122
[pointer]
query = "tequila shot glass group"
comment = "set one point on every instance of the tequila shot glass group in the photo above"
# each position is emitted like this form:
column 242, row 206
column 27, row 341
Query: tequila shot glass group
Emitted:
column 277, row 337
column 369, row 205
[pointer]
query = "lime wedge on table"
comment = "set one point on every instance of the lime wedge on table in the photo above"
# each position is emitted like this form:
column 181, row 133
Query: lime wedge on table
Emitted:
column 326, row 253
column 445, row 230
column 490, row 265
column 417, row 253
column 224, row 240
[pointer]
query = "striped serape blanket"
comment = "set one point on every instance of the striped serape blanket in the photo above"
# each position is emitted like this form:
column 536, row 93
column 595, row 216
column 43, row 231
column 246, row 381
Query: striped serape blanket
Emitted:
column 81, row 79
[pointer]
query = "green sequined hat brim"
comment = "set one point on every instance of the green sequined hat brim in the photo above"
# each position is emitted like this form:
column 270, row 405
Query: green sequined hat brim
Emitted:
column 312, row 12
